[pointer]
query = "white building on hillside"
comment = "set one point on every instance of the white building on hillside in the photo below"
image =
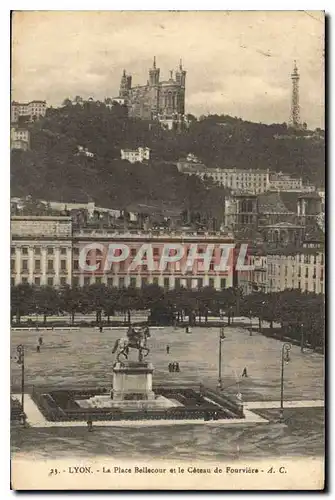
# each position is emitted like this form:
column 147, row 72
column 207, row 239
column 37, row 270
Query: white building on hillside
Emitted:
column 135, row 155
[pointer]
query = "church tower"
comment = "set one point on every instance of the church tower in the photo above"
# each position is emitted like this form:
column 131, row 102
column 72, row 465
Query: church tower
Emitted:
column 181, row 80
column 125, row 85
column 154, row 74
column 181, row 75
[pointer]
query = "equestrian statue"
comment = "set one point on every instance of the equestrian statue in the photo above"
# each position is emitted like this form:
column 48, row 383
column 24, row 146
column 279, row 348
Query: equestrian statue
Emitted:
column 136, row 339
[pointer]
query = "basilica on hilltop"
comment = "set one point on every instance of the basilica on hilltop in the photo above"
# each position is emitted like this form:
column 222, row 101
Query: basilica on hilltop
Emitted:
column 161, row 100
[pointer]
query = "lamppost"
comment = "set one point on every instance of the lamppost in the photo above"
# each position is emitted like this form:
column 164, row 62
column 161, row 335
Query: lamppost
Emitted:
column 250, row 326
column 285, row 357
column 20, row 361
column 302, row 338
column 221, row 337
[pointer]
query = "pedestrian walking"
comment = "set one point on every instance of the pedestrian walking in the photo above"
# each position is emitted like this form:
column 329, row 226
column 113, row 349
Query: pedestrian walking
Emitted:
column 89, row 425
column 170, row 367
column 100, row 329
column 38, row 348
column 177, row 368
column 167, row 349
column 244, row 373
column 40, row 340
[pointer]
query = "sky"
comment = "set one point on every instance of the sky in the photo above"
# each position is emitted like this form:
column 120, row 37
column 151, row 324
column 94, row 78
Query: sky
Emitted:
column 238, row 63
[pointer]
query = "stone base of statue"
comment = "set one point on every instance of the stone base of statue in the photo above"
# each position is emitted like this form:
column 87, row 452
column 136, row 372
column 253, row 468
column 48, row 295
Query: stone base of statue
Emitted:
column 132, row 381
column 132, row 390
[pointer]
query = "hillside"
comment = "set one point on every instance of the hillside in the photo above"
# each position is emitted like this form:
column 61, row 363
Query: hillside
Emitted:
column 52, row 170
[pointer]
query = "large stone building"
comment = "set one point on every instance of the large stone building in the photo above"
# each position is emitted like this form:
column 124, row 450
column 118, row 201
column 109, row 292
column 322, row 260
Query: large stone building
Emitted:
column 162, row 100
column 275, row 270
column 31, row 110
column 41, row 250
column 45, row 250
column 20, row 138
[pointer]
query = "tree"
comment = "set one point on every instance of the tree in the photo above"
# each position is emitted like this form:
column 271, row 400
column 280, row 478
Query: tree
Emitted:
column 67, row 102
column 47, row 301
column 73, row 300
column 22, row 300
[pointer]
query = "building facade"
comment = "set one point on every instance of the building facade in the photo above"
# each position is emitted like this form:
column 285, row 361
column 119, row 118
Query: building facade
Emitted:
column 303, row 270
column 162, row 100
column 284, row 182
column 20, row 138
column 274, row 271
column 135, row 155
column 45, row 250
column 41, row 250
column 32, row 110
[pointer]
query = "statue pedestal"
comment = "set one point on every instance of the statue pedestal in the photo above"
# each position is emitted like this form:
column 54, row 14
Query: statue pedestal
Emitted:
column 132, row 381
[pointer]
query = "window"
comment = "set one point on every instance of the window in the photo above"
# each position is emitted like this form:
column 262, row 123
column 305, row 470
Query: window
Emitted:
column 307, row 259
column 306, row 272
column 299, row 272
column 299, row 285
column 50, row 265
column 144, row 282
column 321, row 275
column 87, row 280
column 76, row 251
column 98, row 280
column 314, row 287
column 24, row 265
column 63, row 265
column 155, row 281
column 200, row 282
column 37, row 265
column 12, row 250
column 24, row 280
column 177, row 283
column 132, row 281
column 37, row 251
column 75, row 265
column 37, row 281
column 211, row 282
column 189, row 283
column 50, row 251
column 75, row 281
column 322, row 259
column 211, row 266
column 110, row 282
column 223, row 283
column 285, row 270
column 63, row 281
column 63, row 250
column 24, row 250
column 133, row 252
column 12, row 282
column 50, row 282
column 156, row 251
column 121, row 281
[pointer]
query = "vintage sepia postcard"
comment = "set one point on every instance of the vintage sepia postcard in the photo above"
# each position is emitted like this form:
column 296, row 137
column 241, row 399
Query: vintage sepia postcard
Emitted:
column 167, row 250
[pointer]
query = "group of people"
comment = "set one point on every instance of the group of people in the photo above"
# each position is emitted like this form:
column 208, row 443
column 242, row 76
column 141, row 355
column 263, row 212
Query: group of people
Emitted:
column 174, row 367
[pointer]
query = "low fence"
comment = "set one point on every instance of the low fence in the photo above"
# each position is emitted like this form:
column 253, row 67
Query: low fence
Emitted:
column 197, row 409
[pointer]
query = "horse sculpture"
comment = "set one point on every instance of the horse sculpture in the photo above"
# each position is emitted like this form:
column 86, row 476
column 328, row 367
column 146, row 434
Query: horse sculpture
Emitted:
column 136, row 339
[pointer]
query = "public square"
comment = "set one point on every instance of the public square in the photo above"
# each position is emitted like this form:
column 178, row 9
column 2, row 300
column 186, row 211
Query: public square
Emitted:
column 83, row 358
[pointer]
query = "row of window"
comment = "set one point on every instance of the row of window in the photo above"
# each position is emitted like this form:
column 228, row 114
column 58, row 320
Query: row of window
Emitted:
column 37, row 265
column 306, row 286
column 121, row 282
column 273, row 269
column 37, row 250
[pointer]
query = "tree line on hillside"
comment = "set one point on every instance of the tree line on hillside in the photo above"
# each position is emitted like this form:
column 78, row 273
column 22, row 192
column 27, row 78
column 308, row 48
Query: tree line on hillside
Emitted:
column 218, row 141
column 295, row 311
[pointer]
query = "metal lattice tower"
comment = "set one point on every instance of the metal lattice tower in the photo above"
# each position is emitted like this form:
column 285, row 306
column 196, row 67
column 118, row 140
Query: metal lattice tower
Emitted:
column 295, row 106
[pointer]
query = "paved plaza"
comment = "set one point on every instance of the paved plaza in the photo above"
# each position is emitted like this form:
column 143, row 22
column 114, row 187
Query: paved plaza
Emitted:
column 83, row 359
